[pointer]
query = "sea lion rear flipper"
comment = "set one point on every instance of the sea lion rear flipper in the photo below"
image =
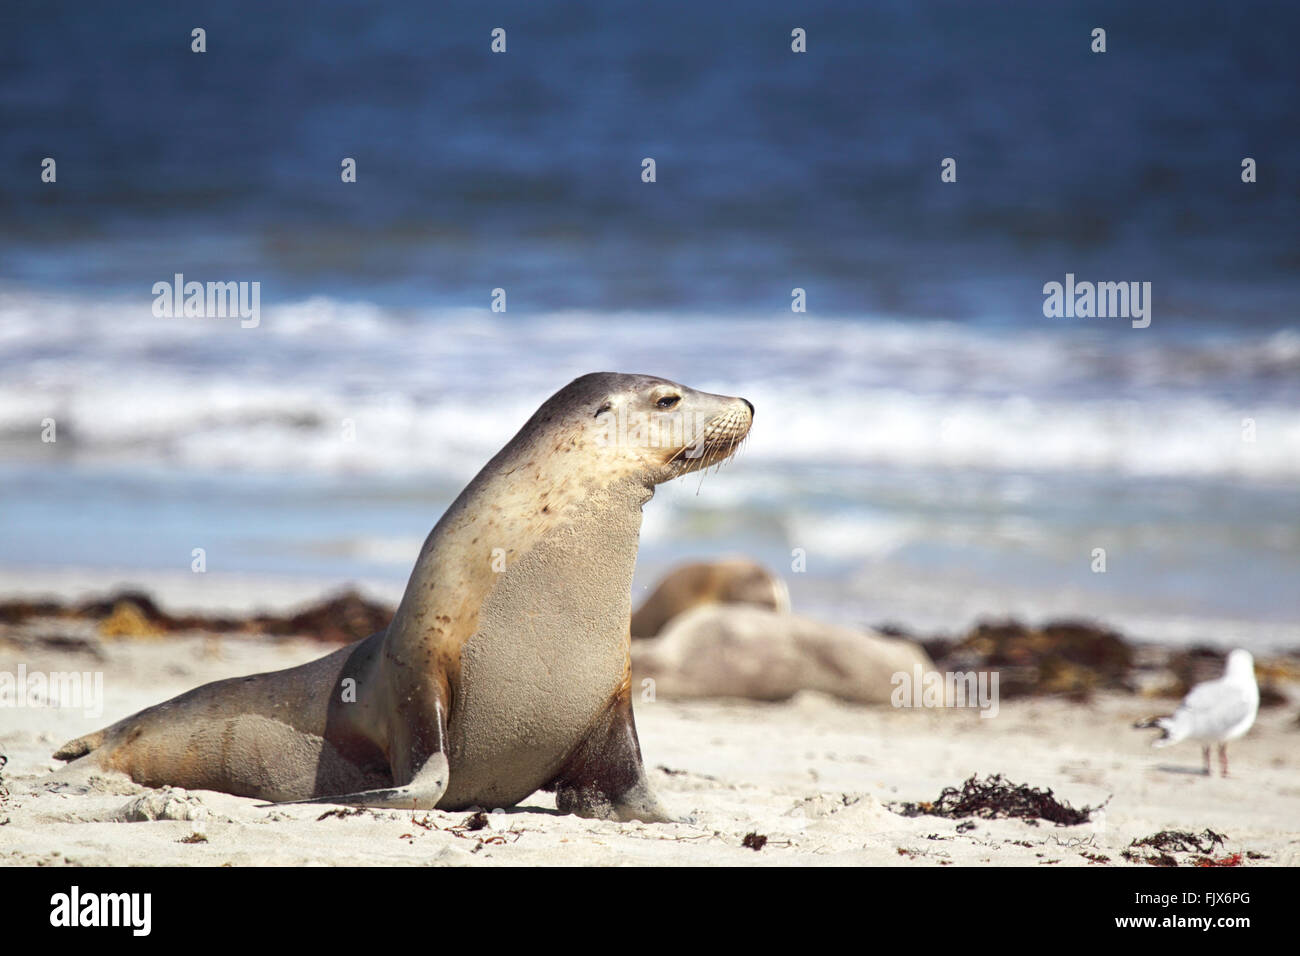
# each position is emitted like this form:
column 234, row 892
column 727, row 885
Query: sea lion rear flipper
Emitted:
column 81, row 746
column 604, row 777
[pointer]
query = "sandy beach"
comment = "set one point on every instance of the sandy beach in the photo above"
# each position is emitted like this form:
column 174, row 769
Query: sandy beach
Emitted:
column 816, row 777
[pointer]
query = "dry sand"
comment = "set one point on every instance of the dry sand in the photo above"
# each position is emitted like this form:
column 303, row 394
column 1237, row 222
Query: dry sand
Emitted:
column 812, row 774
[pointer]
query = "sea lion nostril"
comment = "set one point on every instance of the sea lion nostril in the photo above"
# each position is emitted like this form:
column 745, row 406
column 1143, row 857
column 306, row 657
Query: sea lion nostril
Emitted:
column 749, row 405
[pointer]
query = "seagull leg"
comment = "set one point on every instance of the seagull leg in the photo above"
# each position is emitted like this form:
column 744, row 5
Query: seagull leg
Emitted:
column 1223, row 759
column 1205, row 752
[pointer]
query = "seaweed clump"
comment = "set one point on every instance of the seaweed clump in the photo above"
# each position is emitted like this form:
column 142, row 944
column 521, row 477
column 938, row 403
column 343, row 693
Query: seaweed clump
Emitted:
column 995, row 797
column 1182, row 841
column 1065, row 657
column 341, row 617
column 1168, row 842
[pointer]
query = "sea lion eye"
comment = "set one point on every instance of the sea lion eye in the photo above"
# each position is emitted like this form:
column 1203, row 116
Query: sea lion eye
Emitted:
column 668, row 401
column 604, row 408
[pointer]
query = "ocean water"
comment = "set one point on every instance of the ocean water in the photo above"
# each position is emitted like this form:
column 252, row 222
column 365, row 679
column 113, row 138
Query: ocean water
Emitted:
column 936, row 446
column 930, row 471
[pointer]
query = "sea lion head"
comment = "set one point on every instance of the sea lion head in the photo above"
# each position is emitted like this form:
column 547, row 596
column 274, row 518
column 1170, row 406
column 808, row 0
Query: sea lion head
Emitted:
column 646, row 428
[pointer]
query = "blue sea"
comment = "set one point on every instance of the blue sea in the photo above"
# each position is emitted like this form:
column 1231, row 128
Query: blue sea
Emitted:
column 937, row 446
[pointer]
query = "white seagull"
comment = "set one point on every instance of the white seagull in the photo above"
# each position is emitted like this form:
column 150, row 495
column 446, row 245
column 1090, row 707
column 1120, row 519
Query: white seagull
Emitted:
column 1214, row 712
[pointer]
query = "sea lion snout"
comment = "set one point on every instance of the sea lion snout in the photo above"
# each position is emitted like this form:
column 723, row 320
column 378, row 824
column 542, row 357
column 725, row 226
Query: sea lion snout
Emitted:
column 721, row 425
column 653, row 428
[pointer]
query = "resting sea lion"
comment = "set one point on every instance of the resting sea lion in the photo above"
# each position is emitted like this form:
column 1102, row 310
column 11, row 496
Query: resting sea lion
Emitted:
column 506, row 667
column 729, row 581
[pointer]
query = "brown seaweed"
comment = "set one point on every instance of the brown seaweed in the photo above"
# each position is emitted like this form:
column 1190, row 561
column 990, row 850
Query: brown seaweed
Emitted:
column 995, row 797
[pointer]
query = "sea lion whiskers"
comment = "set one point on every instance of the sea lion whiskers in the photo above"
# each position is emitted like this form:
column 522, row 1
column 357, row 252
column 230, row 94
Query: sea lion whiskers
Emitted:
column 713, row 454
column 721, row 440
column 715, row 458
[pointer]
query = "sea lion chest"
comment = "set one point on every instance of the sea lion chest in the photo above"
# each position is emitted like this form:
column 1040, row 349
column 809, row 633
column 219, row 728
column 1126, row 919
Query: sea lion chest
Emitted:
column 548, row 655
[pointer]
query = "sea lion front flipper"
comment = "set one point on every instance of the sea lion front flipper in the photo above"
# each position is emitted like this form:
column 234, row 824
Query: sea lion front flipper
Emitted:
column 422, row 793
column 604, row 777
column 428, row 782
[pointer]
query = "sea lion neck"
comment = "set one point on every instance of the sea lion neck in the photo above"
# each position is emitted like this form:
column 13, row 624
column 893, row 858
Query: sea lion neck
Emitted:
column 510, row 510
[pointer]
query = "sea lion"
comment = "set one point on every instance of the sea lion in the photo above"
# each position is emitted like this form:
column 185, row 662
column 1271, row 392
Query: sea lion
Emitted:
column 753, row 653
column 729, row 581
column 506, row 667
